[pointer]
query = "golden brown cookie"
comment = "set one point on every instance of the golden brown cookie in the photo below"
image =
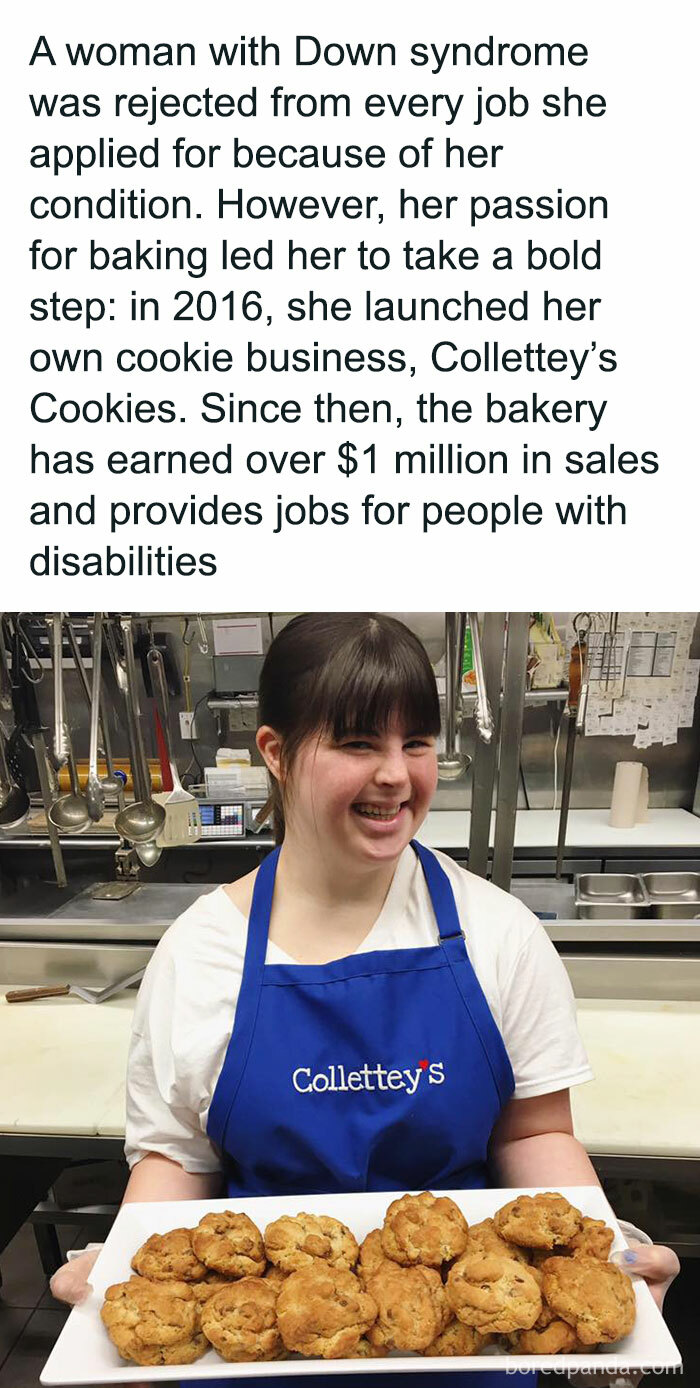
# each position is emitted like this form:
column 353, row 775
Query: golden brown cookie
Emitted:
column 275, row 1275
column 427, row 1229
column 484, row 1238
column 555, row 1338
column 372, row 1256
column 595, row 1239
column 169, row 1258
column 230, row 1243
column 594, row 1297
column 240, row 1321
column 294, row 1242
column 457, row 1339
column 411, row 1304
column 495, row 1295
column 153, row 1323
column 538, row 1221
column 323, row 1310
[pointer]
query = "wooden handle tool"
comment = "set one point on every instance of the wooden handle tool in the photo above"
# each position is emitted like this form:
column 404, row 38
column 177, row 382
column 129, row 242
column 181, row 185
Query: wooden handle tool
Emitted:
column 28, row 994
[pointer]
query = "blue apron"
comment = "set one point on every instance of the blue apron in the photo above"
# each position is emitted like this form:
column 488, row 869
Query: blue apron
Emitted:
column 383, row 1071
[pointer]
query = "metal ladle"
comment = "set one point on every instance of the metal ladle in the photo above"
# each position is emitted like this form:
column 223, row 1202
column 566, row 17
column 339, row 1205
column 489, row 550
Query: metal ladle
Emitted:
column 14, row 801
column 141, row 821
column 148, row 853
column 69, row 813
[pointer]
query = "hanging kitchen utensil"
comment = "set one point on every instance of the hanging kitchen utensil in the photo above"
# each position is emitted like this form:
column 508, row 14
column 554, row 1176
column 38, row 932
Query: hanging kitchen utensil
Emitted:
column 14, row 801
column 29, row 729
column 451, row 763
column 5, row 682
column 93, row 995
column 69, row 812
column 60, row 746
column 148, row 853
column 20, row 751
column 183, row 822
column 111, row 784
column 582, row 626
column 141, row 821
column 49, row 792
column 482, row 716
column 94, row 793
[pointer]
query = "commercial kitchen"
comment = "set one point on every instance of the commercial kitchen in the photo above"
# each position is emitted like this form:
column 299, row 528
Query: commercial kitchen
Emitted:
column 130, row 783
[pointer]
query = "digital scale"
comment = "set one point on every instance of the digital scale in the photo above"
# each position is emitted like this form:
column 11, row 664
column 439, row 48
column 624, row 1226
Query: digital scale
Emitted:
column 229, row 821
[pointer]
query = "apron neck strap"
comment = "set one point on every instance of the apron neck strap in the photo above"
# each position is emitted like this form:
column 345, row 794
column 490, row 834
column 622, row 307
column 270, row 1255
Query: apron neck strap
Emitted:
column 441, row 894
column 260, row 910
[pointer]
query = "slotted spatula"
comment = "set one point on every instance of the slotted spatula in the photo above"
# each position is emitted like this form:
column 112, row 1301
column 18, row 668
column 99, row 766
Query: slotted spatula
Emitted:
column 183, row 820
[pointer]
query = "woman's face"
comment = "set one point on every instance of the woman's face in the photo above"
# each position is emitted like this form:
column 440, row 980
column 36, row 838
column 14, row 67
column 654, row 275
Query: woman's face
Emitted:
column 363, row 797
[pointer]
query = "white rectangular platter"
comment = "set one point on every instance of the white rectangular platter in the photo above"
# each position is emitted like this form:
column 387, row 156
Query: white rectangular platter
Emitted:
column 84, row 1354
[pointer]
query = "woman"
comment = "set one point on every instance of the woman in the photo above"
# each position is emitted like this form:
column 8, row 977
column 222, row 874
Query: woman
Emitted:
column 359, row 1013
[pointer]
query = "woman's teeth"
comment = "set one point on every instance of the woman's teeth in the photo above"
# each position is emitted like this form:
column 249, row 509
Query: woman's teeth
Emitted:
column 373, row 812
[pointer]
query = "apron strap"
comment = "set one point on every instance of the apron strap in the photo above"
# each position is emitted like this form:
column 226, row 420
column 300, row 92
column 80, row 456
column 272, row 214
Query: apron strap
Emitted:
column 453, row 941
column 260, row 911
column 236, row 1057
column 441, row 894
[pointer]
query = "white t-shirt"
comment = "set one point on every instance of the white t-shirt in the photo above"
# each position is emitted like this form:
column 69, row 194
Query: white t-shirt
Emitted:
column 187, row 1002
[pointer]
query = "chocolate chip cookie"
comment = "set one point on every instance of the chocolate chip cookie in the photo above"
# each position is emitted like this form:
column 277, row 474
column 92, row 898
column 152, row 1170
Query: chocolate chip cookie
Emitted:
column 593, row 1297
column 230, row 1243
column 426, row 1229
column 493, row 1294
column 295, row 1242
column 323, row 1310
column 240, row 1321
column 538, row 1221
column 169, row 1258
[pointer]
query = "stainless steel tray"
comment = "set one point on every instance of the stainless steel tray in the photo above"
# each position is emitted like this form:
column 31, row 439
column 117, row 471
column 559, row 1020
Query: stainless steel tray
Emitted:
column 673, row 895
column 610, row 896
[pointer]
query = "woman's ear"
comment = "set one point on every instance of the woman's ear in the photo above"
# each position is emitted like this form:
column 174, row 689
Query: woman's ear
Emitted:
column 269, row 744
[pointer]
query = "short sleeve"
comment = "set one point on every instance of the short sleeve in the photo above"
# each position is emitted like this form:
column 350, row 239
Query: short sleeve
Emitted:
column 538, row 1019
column 163, row 1112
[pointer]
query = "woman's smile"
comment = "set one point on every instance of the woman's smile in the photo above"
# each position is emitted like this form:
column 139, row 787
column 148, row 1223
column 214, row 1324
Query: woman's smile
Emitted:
column 382, row 819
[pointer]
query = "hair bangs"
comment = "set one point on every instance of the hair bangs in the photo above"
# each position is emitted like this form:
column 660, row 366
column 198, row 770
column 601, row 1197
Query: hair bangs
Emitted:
column 375, row 682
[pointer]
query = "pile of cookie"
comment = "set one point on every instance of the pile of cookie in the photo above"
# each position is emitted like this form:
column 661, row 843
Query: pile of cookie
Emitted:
column 533, row 1280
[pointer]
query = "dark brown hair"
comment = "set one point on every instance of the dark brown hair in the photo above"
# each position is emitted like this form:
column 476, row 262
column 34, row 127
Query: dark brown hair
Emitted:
column 339, row 673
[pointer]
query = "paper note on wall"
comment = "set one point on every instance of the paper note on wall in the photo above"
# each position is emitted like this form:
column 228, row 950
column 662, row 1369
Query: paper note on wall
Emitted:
column 238, row 636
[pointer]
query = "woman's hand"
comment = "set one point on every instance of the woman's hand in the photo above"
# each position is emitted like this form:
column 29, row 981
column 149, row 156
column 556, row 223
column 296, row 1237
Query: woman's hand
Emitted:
column 70, row 1284
column 656, row 1264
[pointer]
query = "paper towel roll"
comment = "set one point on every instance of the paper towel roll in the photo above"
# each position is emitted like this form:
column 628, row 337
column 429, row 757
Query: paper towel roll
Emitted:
column 625, row 796
column 643, row 801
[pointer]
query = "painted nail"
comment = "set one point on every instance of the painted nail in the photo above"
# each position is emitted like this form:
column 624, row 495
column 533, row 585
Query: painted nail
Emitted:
column 629, row 1256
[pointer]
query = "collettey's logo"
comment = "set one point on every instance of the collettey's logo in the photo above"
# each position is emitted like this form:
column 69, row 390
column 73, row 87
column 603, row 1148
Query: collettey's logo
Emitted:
column 337, row 1079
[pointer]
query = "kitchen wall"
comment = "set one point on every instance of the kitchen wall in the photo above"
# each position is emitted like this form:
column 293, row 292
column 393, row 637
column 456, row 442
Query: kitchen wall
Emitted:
column 673, row 770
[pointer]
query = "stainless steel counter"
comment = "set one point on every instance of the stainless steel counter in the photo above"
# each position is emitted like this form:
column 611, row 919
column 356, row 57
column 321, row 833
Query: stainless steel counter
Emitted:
column 44, row 912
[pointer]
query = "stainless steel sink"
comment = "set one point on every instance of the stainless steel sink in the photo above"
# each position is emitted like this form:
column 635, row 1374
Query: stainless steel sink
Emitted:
column 673, row 895
column 610, row 896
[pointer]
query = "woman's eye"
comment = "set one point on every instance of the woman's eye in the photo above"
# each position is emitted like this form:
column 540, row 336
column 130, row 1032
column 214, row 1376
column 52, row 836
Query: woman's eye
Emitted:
column 356, row 745
column 419, row 742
